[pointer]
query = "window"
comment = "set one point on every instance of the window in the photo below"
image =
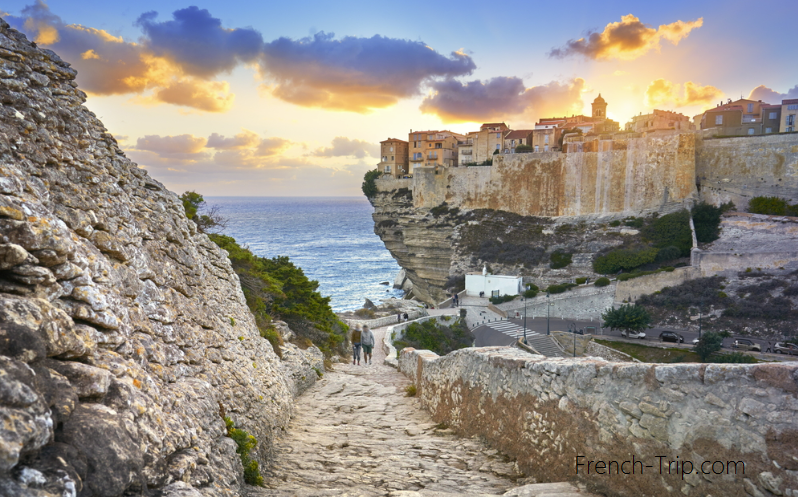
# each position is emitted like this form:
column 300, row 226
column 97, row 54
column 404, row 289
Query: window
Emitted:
column 392, row 158
column 768, row 130
column 545, row 148
column 546, row 139
column 792, row 107
column 719, row 119
column 537, row 148
column 439, row 145
column 387, row 169
column 772, row 115
column 790, row 119
column 384, row 158
column 750, row 107
column 498, row 135
column 750, row 130
column 391, row 149
column 429, row 137
column 498, row 146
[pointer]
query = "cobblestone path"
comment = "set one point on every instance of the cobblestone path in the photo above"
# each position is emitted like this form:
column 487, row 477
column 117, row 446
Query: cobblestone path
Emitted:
column 356, row 433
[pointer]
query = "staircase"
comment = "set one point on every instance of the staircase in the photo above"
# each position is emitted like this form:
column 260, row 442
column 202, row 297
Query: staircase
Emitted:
column 545, row 345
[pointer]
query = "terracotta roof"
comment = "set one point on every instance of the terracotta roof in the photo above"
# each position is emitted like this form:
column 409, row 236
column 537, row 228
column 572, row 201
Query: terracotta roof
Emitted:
column 768, row 106
column 393, row 140
column 487, row 125
column 791, row 101
column 518, row 133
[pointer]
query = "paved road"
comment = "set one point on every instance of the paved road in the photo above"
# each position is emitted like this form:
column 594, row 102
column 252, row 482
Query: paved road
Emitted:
column 505, row 332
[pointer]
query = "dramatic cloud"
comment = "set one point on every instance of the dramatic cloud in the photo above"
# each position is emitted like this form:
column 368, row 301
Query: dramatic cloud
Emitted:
column 628, row 39
column 345, row 147
column 354, row 74
column 770, row 96
column 210, row 96
column 198, row 43
column 502, row 97
column 664, row 93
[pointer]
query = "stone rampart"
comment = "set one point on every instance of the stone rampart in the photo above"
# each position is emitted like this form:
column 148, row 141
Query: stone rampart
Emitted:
column 595, row 177
column 552, row 414
column 583, row 302
column 607, row 353
column 736, row 169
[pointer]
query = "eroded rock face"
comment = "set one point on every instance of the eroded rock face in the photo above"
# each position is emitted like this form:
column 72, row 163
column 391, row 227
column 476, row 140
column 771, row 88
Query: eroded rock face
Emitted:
column 123, row 332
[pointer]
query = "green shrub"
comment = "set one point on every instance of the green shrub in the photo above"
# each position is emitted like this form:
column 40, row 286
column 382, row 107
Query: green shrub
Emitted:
column 581, row 281
column 671, row 229
column 365, row 313
column 710, row 343
column 668, row 254
column 520, row 149
column 531, row 291
column 561, row 288
column 410, row 391
column 245, row 443
column 369, row 187
column 277, row 288
column 623, row 259
column 493, row 250
column 560, row 259
column 437, row 337
column 274, row 338
column 443, row 210
column 706, row 219
column 615, row 223
column 634, row 222
column 733, row 358
column 501, row 299
column 603, row 281
column 772, row 206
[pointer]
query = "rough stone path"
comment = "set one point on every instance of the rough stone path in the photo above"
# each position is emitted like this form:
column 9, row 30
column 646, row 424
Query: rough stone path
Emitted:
column 356, row 433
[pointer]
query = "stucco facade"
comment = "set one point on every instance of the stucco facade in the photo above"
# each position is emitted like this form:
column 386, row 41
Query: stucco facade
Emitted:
column 394, row 157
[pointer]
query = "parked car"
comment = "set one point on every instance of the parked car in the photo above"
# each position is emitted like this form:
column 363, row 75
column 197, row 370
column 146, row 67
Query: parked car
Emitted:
column 785, row 348
column 634, row 334
column 671, row 336
column 746, row 344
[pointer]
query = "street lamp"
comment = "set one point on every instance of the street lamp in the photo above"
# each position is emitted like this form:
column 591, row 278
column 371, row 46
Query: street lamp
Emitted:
column 700, row 305
column 523, row 299
column 548, row 306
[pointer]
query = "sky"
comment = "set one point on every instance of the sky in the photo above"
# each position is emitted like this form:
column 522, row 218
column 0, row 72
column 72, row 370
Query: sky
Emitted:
column 258, row 98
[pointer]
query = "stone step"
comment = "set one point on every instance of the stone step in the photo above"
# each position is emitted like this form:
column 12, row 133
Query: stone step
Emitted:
column 558, row 489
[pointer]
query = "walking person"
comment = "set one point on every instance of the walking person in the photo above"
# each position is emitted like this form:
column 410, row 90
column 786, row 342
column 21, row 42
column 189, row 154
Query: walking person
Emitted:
column 356, row 344
column 367, row 340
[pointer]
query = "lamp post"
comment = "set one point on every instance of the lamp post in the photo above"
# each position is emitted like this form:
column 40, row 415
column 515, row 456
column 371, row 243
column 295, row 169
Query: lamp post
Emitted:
column 548, row 304
column 700, row 305
column 524, row 300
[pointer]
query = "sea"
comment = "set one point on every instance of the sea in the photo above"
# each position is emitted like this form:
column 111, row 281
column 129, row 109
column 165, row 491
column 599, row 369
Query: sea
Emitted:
column 331, row 238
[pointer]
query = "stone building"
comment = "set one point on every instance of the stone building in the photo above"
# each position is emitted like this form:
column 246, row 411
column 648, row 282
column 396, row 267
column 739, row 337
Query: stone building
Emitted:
column 433, row 148
column 517, row 137
column 546, row 140
column 659, row 120
column 394, row 157
column 487, row 141
column 789, row 108
column 771, row 118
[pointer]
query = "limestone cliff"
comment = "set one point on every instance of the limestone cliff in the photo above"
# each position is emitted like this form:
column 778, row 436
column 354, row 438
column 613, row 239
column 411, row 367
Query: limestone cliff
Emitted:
column 123, row 331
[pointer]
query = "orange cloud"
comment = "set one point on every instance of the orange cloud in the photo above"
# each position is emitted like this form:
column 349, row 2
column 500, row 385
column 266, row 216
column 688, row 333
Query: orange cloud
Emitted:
column 664, row 93
column 626, row 40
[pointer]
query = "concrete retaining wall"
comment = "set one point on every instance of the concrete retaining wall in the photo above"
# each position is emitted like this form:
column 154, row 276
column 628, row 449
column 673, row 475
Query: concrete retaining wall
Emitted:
column 385, row 321
column 580, row 303
column 396, row 332
column 608, row 354
column 630, row 290
column 546, row 413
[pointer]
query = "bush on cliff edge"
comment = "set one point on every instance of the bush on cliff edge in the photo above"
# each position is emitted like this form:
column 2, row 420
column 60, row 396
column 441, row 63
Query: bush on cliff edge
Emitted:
column 369, row 187
column 276, row 288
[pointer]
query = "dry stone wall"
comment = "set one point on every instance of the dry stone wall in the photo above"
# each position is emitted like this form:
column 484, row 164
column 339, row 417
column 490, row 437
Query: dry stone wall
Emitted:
column 124, row 334
column 547, row 412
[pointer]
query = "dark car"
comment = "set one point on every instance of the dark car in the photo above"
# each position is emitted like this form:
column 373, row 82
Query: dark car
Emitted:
column 671, row 336
column 746, row 344
column 785, row 348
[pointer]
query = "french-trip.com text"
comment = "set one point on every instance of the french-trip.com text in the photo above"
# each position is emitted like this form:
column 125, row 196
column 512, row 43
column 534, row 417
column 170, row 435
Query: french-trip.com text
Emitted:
column 663, row 465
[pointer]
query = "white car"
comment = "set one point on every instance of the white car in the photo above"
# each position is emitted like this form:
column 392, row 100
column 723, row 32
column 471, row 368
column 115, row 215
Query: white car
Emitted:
column 634, row 334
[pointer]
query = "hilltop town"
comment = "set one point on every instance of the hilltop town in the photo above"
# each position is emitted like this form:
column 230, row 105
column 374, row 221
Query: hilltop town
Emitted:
column 444, row 148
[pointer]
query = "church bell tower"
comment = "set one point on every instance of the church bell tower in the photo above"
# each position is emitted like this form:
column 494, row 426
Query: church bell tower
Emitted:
column 599, row 108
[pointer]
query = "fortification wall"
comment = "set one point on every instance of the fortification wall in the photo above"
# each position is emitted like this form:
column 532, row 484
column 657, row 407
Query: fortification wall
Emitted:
column 630, row 290
column 547, row 412
column 596, row 177
column 736, row 169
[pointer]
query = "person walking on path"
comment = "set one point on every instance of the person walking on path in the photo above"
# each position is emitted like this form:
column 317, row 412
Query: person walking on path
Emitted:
column 367, row 340
column 356, row 343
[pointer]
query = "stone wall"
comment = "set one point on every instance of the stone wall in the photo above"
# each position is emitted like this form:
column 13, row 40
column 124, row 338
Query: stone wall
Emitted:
column 124, row 333
column 736, row 169
column 596, row 177
column 583, row 302
column 546, row 412
column 607, row 353
column 631, row 290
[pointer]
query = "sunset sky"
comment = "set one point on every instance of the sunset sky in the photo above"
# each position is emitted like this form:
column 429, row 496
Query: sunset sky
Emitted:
column 292, row 98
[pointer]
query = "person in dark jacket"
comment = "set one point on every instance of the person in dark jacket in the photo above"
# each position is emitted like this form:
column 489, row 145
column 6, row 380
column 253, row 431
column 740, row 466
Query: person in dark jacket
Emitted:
column 356, row 344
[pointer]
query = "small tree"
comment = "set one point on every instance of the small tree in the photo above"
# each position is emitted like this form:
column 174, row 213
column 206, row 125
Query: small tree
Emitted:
column 709, row 343
column 627, row 317
column 208, row 222
column 369, row 187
